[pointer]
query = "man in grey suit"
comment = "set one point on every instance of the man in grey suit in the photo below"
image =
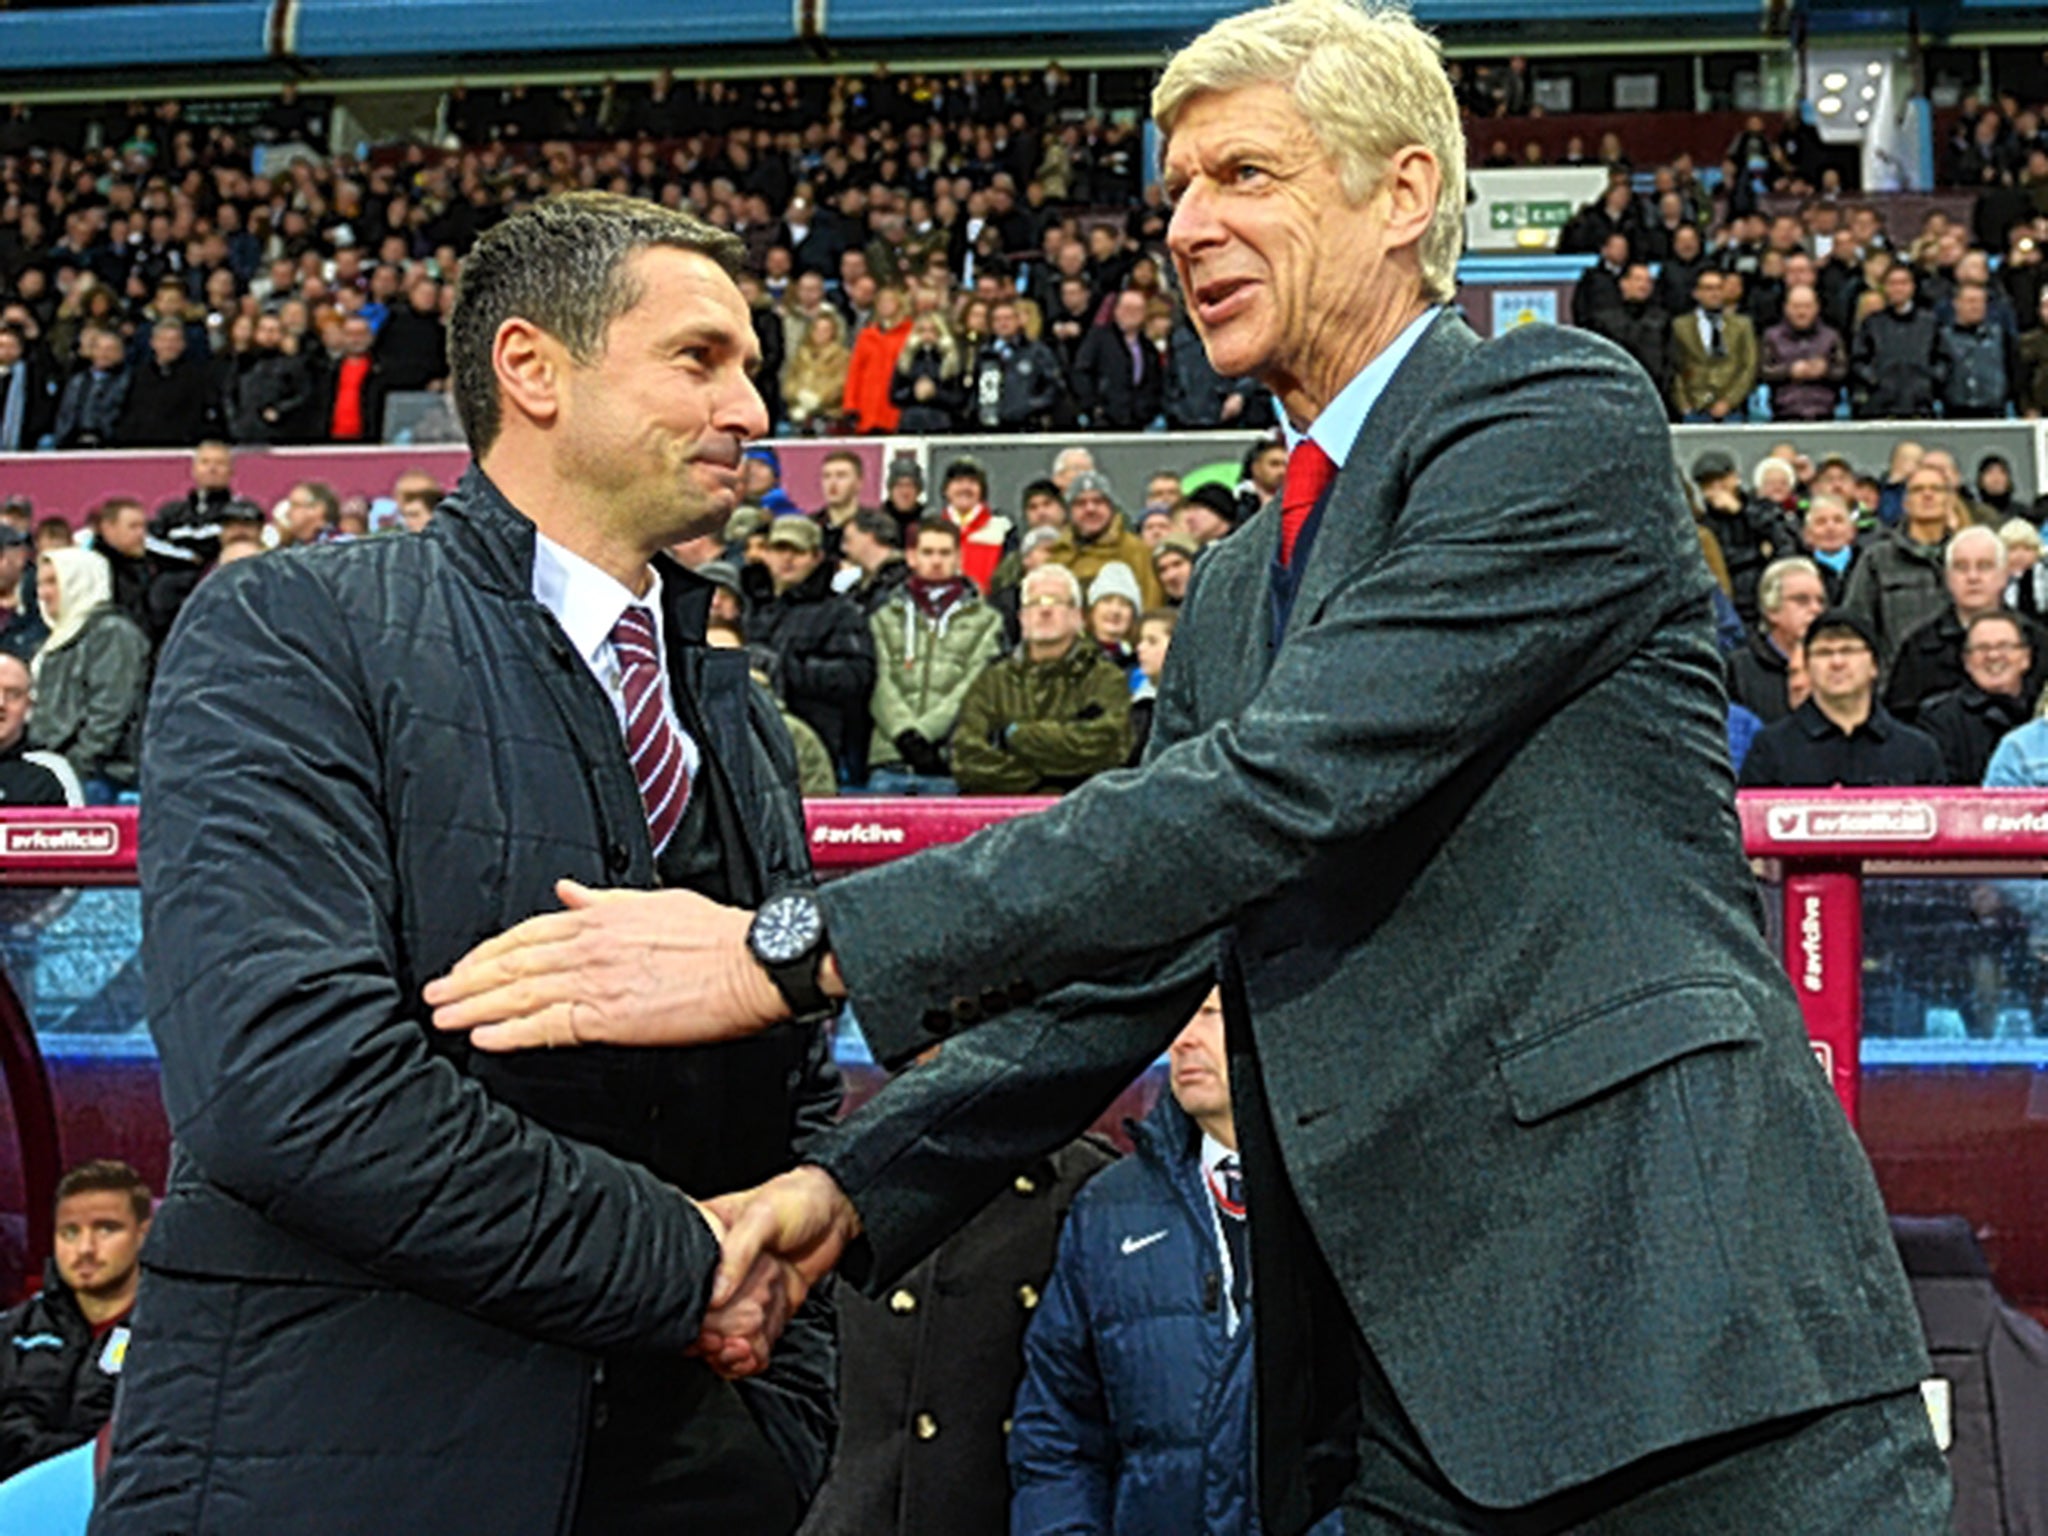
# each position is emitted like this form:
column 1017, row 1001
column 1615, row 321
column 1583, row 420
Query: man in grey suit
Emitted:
column 1556, row 1223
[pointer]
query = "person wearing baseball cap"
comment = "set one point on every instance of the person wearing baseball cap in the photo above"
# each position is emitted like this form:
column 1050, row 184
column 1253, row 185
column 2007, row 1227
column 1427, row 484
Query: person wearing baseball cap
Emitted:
column 1841, row 735
column 825, row 655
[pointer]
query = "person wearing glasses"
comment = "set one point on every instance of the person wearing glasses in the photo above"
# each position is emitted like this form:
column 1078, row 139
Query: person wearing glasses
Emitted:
column 1969, row 721
column 1841, row 735
column 1975, row 571
column 1053, row 713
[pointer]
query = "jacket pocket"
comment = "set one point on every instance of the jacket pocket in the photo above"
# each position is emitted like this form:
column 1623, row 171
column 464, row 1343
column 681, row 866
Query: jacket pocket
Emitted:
column 1621, row 1040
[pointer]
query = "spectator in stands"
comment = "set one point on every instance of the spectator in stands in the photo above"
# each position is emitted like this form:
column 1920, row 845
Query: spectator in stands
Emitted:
column 1898, row 582
column 2032, row 394
column 872, row 546
column 927, row 388
column 1097, row 536
column 1118, row 382
column 1748, row 532
column 417, row 494
column 761, row 482
column 268, row 388
column 1930, row 660
column 89, row 410
column 1198, row 398
column 871, row 371
column 1841, row 735
column 904, row 497
column 170, row 399
column 814, row 378
column 1637, row 324
column 121, row 538
column 66, row 1345
column 27, row 776
column 1827, row 534
column 1804, row 361
column 815, row 776
column 932, row 639
column 1015, row 381
column 1599, row 286
column 825, row 660
column 1975, row 360
column 1679, row 272
column 312, row 513
column 839, row 477
column 1135, row 1412
column 1174, row 563
column 1075, row 459
column 1050, row 716
column 985, row 535
column 1790, row 596
column 412, row 344
column 1969, row 721
column 1112, row 614
column 22, row 627
column 1893, row 369
column 353, row 388
column 1264, row 474
column 1714, row 356
column 2020, row 761
column 91, row 675
column 28, row 393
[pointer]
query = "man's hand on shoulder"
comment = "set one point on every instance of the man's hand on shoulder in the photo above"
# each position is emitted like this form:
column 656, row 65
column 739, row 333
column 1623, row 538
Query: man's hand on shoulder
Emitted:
column 615, row 968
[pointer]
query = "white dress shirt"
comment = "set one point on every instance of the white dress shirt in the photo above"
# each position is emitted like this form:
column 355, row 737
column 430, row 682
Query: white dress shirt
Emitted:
column 588, row 603
column 1213, row 1153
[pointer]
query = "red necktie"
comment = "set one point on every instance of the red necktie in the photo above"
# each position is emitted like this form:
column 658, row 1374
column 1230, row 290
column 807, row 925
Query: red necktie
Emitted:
column 1309, row 473
column 652, row 743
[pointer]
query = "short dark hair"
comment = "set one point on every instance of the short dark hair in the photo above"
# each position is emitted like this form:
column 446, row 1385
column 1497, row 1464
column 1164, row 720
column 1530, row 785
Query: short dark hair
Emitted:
column 107, row 1175
column 322, row 492
column 844, row 456
column 879, row 526
column 966, row 469
column 1039, row 488
column 561, row 264
column 944, row 527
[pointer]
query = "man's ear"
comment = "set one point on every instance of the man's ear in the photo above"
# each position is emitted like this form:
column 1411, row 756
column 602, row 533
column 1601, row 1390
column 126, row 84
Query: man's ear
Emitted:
column 528, row 364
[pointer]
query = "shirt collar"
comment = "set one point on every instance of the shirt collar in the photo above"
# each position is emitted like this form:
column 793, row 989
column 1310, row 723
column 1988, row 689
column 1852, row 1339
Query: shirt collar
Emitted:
column 1213, row 1153
column 1336, row 430
column 585, row 600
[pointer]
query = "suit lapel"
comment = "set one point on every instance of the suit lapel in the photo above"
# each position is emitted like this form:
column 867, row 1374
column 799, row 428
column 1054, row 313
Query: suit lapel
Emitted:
column 1358, row 520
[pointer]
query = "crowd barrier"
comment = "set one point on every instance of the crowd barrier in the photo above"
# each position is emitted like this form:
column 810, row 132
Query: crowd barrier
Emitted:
column 1913, row 925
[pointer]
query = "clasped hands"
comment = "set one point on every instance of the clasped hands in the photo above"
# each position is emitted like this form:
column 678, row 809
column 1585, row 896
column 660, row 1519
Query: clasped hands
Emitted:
column 662, row 968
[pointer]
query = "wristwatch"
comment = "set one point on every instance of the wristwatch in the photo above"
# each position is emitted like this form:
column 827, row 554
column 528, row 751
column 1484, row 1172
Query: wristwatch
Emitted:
column 787, row 937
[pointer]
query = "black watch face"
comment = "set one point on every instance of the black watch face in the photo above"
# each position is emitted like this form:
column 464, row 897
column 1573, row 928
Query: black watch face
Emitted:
column 787, row 929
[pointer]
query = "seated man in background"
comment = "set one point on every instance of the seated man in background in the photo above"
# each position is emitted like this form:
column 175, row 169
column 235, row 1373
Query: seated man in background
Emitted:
column 28, row 777
column 1053, row 714
column 1968, row 722
column 1930, row 658
column 933, row 638
column 1841, row 735
column 65, row 1345
column 825, row 659
column 1789, row 596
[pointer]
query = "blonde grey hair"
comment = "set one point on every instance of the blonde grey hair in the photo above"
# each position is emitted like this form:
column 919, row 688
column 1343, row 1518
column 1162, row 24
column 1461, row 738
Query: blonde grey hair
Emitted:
column 1770, row 587
column 1974, row 535
column 1370, row 82
column 2018, row 533
column 1067, row 580
column 1773, row 466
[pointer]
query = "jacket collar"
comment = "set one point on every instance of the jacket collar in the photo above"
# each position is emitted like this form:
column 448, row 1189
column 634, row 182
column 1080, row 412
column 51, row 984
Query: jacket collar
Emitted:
column 1355, row 527
column 493, row 541
column 1818, row 727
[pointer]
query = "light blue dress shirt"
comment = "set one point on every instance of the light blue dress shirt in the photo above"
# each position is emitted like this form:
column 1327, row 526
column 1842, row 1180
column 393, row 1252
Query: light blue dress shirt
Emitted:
column 1336, row 430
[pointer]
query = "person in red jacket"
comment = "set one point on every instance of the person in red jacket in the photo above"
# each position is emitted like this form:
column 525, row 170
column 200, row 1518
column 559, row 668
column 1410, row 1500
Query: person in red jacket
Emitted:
column 985, row 535
column 873, row 368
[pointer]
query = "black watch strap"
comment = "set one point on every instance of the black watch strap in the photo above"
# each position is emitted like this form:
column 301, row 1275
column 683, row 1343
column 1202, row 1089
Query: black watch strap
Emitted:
column 798, row 983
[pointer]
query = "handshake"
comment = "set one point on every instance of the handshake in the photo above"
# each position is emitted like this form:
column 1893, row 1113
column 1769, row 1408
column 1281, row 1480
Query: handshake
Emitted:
column 777, row 1241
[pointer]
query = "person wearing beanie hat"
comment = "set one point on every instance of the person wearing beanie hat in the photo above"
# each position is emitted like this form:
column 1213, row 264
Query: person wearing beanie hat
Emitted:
column 1208, row 513
column 1841, row 735
column 1113, row 610
column 1155, row 523
column 1097, row 535
column 903, row 495
column 761, row 482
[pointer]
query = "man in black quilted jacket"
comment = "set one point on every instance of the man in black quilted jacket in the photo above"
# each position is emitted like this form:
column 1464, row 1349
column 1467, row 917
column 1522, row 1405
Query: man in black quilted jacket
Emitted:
column 397, row 1286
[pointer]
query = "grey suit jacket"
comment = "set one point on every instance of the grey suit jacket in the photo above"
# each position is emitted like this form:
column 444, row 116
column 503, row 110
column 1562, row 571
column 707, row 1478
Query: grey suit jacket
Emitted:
column 1531, row 1074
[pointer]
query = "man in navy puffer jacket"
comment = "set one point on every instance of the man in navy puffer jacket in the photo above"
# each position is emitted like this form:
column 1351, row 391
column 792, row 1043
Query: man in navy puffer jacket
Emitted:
column 1135, row 1412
